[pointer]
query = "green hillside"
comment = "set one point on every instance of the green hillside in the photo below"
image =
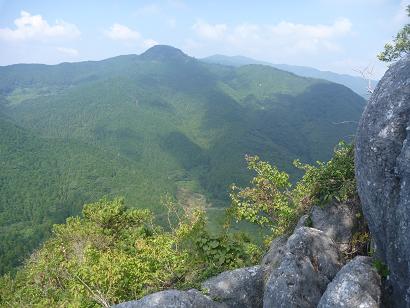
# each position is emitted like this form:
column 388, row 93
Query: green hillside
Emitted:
column 142, row 126
column 356, row 83
column 42, row 181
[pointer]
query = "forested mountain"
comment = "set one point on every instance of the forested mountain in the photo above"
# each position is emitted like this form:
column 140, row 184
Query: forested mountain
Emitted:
column 141, row 126
column 43, row 181
column 357, row 84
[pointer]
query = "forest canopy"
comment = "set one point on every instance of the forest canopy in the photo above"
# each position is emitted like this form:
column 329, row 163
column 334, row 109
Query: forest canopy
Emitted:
column 112, row 253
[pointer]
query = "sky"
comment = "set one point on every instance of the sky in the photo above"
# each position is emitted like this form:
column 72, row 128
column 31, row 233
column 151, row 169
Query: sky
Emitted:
column 343, row 36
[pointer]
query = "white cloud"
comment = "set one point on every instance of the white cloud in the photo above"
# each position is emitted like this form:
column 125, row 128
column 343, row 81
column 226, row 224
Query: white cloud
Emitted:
column 129, row 37
column 209, row 31
column 285, row 36
column 122, row 33
column 246, row 31
column 339, row 27
column 68, row 51
column 310, row 37
column 148, row 43
column 34, row 27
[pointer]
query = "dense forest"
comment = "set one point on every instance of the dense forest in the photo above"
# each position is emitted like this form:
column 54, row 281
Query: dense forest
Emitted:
column 146, row 126
column 356, row 83
column 113, row 253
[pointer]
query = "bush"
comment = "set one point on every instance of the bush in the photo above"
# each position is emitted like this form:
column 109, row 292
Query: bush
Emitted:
column 271, row 201
column 113, row 254
column 268, row 201
column 332, row 180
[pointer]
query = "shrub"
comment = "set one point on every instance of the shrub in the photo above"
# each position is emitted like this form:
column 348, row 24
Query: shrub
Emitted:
column 268, row 201
column 334, row 179
column 113, row 254
column 271, row 201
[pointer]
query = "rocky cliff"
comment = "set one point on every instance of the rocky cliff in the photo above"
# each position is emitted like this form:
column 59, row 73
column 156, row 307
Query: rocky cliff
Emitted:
column 383, row 176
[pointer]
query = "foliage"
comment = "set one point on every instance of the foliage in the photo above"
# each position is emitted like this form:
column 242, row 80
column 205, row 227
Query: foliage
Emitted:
column 359, row 244
column 129, row 126
column 334, row 179
column 381, row 268
column 268, row 201
column 272, row 201
column 43, row 181
column 400, row 45
column 357, row 84
column 114, row 254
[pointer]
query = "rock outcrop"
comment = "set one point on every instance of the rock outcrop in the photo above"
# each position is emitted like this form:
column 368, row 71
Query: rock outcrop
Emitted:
column 383, row 175
column 239, row 288
column 309, row 264
column 274, row 256
column 338, row 220
column 295, row 272
column 357, row 284
column 173, row 299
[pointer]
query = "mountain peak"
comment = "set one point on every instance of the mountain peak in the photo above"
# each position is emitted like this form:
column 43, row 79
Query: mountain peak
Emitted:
column 163, row 52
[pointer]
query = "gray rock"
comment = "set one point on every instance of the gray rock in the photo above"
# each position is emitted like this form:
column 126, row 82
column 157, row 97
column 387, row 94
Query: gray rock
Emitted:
column 337, row 220
column 340, row 221
column 383, row 175
column 274, row 256
column 238, row 288
column 303, row 221
column 173, row 299
column 310, row 262
column 357, row 284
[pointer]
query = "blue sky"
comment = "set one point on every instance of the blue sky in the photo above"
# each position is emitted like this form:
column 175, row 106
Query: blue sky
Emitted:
column 336, row 35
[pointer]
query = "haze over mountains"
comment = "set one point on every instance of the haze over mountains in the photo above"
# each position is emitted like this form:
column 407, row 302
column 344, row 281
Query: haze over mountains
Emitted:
column 357, row 84
column 141, row 126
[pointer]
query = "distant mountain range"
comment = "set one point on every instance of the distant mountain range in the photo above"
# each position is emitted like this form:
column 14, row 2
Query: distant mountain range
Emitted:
column 141, row 126
column 357, row 84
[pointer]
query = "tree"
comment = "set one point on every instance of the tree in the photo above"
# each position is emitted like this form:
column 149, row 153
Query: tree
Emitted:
column 399, row 47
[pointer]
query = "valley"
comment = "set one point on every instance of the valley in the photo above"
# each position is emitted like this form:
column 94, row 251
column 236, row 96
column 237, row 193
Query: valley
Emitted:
column 143, row 126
